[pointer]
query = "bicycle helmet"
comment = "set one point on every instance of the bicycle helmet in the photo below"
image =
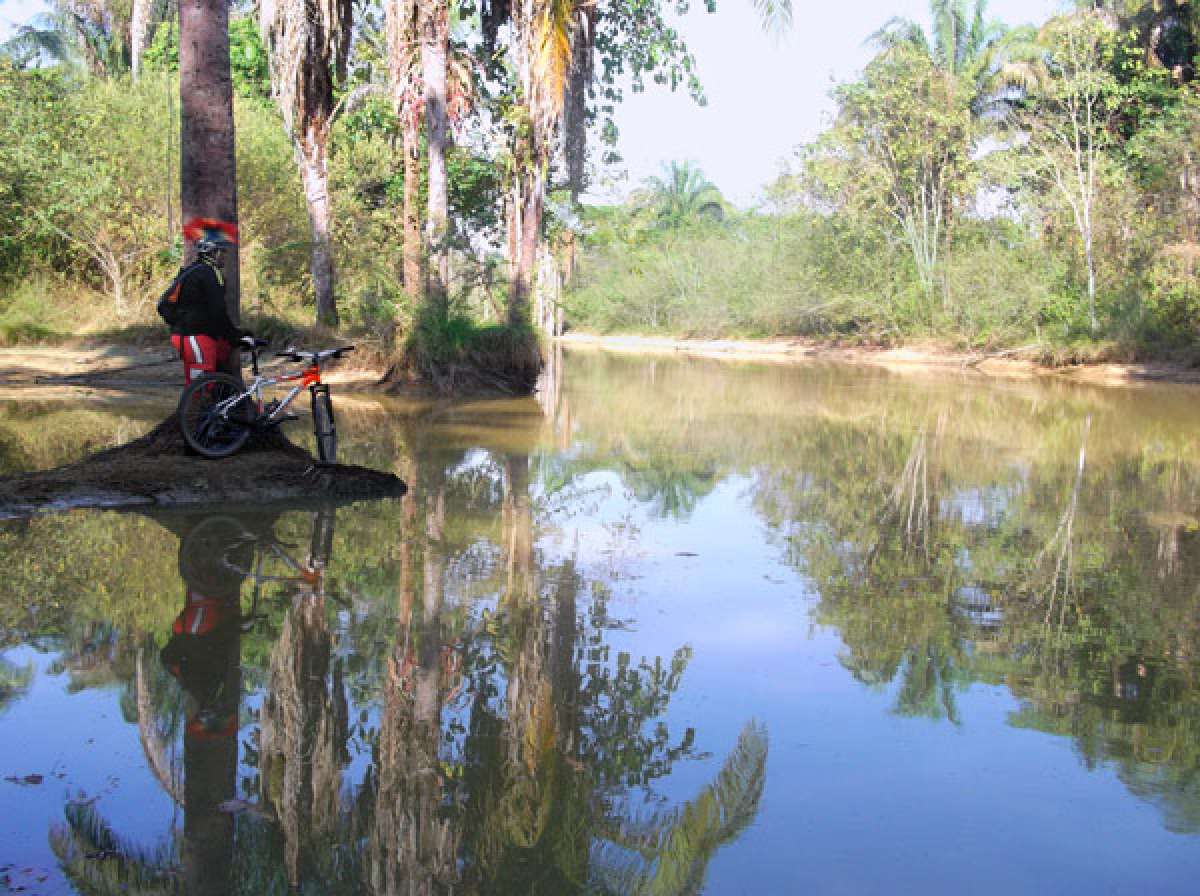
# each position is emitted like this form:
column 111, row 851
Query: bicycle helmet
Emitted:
column 210, row 236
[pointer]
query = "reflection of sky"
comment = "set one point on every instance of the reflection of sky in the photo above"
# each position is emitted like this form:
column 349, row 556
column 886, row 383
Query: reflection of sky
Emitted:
column 84, row 738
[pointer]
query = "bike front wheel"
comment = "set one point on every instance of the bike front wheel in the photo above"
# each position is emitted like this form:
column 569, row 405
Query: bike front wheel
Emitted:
column 323, row 426
column 215, row 414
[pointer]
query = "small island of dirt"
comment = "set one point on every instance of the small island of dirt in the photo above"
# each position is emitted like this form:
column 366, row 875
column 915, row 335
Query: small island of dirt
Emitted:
column 157, row 470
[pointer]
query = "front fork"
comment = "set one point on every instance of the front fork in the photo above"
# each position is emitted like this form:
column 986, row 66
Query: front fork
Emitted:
column 324, row 427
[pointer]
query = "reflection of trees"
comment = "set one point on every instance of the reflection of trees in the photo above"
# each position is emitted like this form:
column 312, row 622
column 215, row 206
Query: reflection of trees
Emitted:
column 940, row 568
column 412, row 842
column 560, row 738
column 512, row 745
column 512, row 748
column 304, row 723
column 14, row 680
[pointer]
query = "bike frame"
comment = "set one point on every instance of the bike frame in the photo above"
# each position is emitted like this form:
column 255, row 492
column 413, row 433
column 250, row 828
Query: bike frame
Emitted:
column 308, row 377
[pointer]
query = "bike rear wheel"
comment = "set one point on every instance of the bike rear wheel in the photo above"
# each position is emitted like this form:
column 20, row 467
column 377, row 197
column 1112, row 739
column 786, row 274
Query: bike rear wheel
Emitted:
column 323, row 426
column 213, row 424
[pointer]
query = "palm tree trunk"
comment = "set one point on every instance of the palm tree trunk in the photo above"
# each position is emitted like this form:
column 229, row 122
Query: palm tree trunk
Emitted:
column 531, row 204
column 314, row 172
column 414, row 283
column 208, row 181
column 433, row 29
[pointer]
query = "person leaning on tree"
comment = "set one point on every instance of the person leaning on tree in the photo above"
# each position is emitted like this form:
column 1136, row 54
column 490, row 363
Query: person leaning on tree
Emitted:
column 203, row 334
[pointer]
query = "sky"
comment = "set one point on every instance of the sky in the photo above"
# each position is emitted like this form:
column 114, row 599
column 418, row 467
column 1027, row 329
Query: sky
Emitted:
column 766, row 95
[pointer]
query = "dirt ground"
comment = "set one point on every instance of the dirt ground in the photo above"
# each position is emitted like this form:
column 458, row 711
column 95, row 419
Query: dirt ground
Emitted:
column 127, row 366
column 156, row 470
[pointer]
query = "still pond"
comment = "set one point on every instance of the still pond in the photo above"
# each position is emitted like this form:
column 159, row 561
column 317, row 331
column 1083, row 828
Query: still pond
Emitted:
column 670, row 627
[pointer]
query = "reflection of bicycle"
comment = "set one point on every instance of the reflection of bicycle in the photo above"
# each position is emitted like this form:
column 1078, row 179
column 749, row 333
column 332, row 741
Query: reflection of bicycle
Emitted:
column 217, row 412
column 261, row 555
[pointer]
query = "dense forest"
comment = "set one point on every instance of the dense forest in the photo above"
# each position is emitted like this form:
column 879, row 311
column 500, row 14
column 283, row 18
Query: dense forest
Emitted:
column 422, row 167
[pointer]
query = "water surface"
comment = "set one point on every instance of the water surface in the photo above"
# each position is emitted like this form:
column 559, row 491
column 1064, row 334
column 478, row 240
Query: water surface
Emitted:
column 673, row 627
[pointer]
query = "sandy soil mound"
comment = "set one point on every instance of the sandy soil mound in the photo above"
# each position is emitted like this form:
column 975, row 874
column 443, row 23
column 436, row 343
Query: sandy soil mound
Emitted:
column 157, row 470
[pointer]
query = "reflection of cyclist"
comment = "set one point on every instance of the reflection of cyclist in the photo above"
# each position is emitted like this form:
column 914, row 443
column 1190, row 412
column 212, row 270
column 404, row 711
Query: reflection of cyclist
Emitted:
column 204, row 335
column 204, row 654
column 206, row 636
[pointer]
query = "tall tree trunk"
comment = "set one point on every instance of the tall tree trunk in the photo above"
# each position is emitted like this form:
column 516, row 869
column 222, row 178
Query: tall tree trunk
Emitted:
column 314, row 172
column 433, row 30
column 407, row 91
column 414, row 278
column 208, row 177
column 139, row 24
column 531, row 200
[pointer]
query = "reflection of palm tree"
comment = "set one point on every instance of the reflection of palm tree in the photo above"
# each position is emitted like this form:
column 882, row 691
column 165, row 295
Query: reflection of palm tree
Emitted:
column 412, row 842
column 157, row 730
column 547, row 766
column 669, row 856
column 673, row 494
column 14, row 680
column 99, row 862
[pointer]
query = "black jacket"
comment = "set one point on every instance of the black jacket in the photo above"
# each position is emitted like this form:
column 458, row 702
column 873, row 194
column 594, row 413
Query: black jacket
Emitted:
column 202, row 300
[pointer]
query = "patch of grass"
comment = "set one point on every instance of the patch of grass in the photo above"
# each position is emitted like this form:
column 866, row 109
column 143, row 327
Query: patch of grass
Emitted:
column 30, row 315
column 457, row 354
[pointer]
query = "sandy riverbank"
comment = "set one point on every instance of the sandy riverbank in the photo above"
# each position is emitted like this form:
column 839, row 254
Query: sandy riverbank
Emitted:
column 117, row 367
column 916, row 356
column 127, row 366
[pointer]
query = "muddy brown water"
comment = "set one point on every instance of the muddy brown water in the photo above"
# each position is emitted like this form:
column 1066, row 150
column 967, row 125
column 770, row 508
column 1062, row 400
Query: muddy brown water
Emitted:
column 671, row 627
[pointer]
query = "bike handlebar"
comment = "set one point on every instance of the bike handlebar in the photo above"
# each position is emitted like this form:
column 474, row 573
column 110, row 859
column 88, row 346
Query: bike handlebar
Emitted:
column 315, row 357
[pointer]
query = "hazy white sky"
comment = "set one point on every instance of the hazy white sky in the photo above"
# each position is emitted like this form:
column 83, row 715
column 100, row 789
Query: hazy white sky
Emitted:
column 765, row 95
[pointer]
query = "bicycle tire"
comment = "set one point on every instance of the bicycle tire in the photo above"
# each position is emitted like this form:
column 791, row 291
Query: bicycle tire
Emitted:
column 324, row 427
column 207, row 433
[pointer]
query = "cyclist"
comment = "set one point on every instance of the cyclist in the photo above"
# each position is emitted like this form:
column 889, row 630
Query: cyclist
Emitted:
column 204, row 335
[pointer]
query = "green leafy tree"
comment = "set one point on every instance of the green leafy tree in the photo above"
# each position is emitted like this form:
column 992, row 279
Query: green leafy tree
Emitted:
column 899, row 152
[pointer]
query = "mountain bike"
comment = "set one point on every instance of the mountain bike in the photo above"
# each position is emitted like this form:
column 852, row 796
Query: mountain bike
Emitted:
column 218, row 412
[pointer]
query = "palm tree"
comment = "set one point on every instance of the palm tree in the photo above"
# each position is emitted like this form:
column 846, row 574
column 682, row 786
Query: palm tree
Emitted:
column 42, row 38
column 983, row 55
column 543, row 47
column 433, row 34
column 208, row 181
column 308, row 42
column 683, row 195
column 407, row 90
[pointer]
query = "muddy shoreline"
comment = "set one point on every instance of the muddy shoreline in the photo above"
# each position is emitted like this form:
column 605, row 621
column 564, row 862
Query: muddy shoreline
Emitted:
column 157, row 471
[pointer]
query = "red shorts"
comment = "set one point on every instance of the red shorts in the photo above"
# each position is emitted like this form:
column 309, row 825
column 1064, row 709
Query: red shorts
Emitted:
column 200, row 352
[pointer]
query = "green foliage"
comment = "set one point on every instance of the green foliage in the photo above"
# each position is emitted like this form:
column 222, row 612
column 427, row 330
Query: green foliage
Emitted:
column 682, row 196
column 248, row 62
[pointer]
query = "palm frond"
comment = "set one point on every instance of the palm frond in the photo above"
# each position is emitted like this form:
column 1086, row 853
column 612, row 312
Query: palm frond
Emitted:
column 776, row 15
column 41, row 39
column 671, row 856
column 97, row 861
column 900, row 32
